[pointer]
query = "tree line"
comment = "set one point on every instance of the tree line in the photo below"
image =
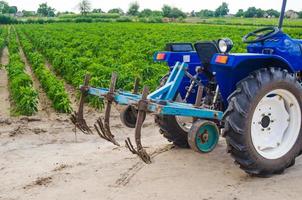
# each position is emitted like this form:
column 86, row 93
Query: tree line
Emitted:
column 167, row 11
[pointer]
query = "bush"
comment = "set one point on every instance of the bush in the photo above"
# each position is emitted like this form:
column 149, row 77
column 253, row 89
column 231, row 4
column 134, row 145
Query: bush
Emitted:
column 83, row 19
column 124, row 19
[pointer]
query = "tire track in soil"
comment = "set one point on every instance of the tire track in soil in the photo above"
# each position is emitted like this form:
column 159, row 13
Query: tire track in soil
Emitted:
column 127, row 176
column 45, row 105
column 4, row 90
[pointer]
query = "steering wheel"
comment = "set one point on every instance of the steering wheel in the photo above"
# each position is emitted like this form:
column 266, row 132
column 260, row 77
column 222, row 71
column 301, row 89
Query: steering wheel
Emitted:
column 261, row 34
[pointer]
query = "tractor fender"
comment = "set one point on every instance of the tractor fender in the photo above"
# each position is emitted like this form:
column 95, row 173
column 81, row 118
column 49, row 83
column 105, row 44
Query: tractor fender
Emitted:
column 239, row 66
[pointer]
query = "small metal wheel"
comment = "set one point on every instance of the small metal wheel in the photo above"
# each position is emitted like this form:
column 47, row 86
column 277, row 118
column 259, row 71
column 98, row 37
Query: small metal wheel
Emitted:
column 203, row 136
column 129, row 115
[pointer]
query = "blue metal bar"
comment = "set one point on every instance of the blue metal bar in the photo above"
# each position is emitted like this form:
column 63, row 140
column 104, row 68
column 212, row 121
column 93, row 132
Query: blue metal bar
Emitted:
column 169, row 90
column 159, row 92
column 176, row 82
column 185, row 110
column 160, row 101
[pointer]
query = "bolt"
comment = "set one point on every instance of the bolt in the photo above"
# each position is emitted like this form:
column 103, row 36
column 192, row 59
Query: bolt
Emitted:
column 291, row 105
column 269, row 114
column 272, row 121
column 262, row 129
column 268, row 129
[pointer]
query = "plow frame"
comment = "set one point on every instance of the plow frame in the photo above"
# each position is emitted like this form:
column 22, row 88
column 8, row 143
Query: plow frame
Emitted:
column 159, row 102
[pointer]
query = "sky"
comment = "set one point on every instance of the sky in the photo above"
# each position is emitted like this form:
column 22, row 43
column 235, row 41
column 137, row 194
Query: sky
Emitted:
column 185, row 5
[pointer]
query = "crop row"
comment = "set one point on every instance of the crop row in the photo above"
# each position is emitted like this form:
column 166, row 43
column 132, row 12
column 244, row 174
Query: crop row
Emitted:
column 53, row 87
column 127, row 48
column 23, row 95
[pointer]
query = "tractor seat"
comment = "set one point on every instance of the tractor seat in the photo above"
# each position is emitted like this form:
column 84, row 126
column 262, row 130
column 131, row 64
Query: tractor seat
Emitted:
column 205, row 52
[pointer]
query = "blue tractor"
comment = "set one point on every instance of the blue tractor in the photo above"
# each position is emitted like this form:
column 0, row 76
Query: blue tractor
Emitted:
column 252, row 99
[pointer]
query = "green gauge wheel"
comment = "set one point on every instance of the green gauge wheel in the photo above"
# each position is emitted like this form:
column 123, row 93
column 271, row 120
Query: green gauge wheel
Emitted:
column 203, row 136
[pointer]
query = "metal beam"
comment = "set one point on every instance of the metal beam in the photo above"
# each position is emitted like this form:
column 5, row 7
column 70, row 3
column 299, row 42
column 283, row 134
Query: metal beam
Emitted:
column 282, row 15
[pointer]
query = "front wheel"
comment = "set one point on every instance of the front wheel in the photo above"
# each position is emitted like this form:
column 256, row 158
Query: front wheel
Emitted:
column 263, row 122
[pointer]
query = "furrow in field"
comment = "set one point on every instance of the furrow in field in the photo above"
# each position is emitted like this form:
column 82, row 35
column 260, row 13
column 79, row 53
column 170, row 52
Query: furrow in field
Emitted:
column 44, row 107
column 72, row 92
column 4, row 91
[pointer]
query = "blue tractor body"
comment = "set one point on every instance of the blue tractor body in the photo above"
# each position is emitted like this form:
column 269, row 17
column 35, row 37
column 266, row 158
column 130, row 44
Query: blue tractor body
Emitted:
column 280, row 51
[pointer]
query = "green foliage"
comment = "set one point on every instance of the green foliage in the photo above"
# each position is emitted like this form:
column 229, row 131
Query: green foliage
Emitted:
column 84, row 7
column 13, row 10
column 28, row 13
column 53, row 87
column 23, row 95
column 116, row 11
column 253, row 12
column 240, row 13
column 273, row 13
column 170, row 12
column 4, row 19
column 205, row 13
column 222, row 10
column 46, row 11
column 133, row 9
column 4, row 7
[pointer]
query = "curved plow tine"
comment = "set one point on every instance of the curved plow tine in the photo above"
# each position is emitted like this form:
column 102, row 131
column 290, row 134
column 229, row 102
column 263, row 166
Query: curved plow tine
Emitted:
column 104, row 132
column 77, row 118
column 142, row 108
column 103, row 128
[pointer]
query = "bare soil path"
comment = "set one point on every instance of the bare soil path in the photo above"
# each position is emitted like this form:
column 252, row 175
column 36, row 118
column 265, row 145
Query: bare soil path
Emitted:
column 4, row 91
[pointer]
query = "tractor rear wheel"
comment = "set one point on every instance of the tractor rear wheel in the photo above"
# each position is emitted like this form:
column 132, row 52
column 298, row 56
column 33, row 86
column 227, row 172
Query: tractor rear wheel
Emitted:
column 174, row 129
column 263, row 122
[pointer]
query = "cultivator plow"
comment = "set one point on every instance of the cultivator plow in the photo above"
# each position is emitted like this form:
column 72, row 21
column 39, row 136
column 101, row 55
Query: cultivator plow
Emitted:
column 158, row 102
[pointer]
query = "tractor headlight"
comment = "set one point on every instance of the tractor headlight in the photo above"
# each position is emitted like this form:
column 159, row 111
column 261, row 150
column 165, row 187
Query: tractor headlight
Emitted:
column 225, row 45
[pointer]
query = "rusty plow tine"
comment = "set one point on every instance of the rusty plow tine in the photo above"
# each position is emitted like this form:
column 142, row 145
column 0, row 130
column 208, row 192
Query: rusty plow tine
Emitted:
column 130, row 146
column 142, row 109
column 77, row 118
column 104, row 127
column 100, row 129
column 105, row 133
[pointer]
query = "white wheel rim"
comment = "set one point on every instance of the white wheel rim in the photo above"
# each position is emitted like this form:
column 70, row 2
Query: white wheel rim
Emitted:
column 276, row 124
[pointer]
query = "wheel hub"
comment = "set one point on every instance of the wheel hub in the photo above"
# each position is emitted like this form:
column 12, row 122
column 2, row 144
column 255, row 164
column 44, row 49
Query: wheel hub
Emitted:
column 204, row 137
column 265, row 121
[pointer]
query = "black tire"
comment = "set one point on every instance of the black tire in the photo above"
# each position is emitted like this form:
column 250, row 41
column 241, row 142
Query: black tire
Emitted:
column 238, row 117
column 128, row 116
column 170, row 128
